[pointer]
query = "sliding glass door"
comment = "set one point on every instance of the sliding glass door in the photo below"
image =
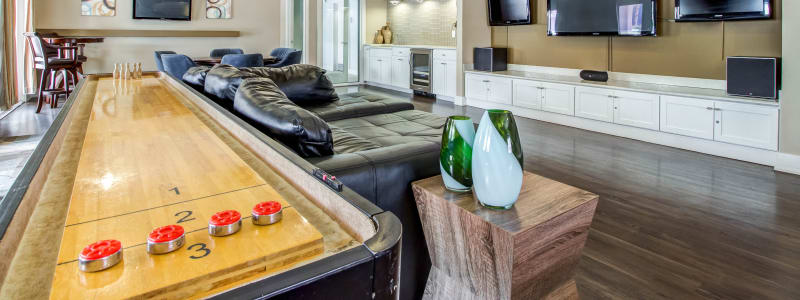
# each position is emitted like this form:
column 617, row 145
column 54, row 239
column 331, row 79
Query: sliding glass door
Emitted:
column 340, row 39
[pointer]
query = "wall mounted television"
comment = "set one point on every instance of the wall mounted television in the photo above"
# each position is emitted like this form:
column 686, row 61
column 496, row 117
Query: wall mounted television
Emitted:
column 509, row 12
column 180, row 10
column 601, row 17
column 714, row 10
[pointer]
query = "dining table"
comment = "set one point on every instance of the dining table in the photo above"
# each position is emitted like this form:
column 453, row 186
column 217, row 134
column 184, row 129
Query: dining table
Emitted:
column 210, row 61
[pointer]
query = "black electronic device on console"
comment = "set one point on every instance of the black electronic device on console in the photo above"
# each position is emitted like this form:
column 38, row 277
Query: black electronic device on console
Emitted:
column 594, row 75
column 754, row 76
column 490, row 59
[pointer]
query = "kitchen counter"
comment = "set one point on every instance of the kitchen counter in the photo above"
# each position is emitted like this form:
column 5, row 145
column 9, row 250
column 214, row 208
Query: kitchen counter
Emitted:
column 411, row 46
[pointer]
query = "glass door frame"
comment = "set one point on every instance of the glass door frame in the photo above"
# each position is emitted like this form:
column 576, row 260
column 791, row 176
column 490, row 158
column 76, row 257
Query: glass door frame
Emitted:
column 359, row 49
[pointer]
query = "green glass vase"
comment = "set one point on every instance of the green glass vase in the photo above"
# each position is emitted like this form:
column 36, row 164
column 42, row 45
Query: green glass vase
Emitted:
column 455, row 159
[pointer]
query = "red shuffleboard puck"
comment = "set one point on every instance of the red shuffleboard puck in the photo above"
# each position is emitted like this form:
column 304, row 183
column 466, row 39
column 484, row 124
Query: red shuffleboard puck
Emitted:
column 267, row 213
column 225, row 223
column 165, row 239
column 100, row 256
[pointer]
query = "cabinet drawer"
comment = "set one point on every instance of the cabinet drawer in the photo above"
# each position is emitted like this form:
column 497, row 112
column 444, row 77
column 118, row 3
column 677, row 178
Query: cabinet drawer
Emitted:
column 380, row 52
column 447, row 55
column 401, row 52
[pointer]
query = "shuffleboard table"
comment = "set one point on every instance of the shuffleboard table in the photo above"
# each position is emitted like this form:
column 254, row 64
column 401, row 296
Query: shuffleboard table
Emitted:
column 124, row 158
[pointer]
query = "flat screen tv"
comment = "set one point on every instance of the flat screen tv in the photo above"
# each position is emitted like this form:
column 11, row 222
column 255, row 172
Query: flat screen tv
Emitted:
column 509, row 12
column 601, row 17
column 712, row 10
column 180, row 10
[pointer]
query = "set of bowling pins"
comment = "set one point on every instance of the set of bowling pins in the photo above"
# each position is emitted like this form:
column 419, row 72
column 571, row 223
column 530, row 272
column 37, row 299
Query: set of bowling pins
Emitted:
column 128, row 71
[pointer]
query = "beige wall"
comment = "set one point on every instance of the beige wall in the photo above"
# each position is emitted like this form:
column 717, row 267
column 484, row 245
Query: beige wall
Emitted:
column 375, row 11
column 694, row 49
column 790, row 101
column 258, row 20
column 473, row 31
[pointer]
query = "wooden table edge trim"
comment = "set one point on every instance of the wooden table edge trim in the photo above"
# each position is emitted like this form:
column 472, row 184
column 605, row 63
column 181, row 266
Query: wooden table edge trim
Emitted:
column 24, row 192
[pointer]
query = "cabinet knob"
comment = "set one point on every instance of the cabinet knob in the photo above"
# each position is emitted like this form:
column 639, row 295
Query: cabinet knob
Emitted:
column 718, row 109
column 485, row 81
column 709, row 108
column 717, row 121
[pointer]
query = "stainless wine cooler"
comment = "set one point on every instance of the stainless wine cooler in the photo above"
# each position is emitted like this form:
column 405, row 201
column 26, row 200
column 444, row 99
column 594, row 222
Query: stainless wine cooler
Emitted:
column 421, row 70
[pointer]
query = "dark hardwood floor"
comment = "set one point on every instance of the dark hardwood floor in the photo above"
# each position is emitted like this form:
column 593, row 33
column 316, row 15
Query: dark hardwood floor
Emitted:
column 670, row 224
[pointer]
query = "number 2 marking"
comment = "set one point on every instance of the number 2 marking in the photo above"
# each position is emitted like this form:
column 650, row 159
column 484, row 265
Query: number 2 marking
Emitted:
column 176, row 190
column 202, row 247
column 185, row 218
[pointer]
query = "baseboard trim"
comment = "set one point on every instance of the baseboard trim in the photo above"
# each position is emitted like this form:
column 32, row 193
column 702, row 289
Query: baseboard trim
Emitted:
column 389, row 87
column 748, row 154
column 788, row 163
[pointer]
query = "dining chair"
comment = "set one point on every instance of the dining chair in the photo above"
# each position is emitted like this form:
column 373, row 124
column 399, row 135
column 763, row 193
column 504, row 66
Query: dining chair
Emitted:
column 177, row 64
column 224, row 51
column 47, row 58
column 243, row 60
column 286, row 57
column 159, row 62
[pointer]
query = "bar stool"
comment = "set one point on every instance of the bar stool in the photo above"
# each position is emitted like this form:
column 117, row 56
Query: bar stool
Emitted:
column 46, row 57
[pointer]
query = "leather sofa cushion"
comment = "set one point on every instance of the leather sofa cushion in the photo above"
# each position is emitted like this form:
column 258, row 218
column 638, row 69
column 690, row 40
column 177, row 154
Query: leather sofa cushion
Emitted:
column 261, row 103
column 384, row 130
column 358, row 105
column 223, row 81
column 196, row 77
column 303, row 84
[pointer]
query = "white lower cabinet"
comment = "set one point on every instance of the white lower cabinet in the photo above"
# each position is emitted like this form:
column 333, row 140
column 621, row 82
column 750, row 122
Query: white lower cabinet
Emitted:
column 745, row 124
column 488, row 88
column 527, row 94
column 595, row 104
column 736, row 123
column 401, row 72
column 636, row 109
column 686, row 116
column 558, row 98
column 444, row 76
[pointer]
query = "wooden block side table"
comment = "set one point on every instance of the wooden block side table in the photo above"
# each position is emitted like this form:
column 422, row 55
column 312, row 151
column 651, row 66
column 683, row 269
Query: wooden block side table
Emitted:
column 528, row 252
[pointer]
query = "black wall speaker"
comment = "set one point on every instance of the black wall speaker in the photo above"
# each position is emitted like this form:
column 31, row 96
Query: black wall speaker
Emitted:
column 754, row 76
column 594, row 75
column 490, row 59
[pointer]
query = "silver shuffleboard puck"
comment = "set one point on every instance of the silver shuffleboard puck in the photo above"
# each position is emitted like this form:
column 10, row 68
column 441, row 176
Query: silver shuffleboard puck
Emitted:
column 225, row 223
column 166, row 239
column 100, row 256
column 267, row 213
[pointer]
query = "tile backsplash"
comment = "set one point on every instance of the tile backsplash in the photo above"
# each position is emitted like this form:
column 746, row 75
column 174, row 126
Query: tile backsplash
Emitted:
column 427, row 23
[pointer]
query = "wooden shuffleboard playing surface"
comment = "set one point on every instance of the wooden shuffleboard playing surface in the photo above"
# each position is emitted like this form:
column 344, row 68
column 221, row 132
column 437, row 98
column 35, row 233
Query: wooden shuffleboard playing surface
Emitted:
column 147, row 161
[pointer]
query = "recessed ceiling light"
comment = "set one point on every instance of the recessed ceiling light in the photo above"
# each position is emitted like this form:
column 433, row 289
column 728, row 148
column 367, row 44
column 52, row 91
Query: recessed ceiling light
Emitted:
column 394, row 2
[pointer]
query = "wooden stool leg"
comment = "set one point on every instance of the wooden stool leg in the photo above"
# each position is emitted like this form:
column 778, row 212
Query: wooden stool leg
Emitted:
column 42, row 87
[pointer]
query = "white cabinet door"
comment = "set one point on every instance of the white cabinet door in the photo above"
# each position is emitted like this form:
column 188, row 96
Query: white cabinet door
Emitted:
column 401, row 72
column 527, row 94
column 558, row 98
column 746, row 124
column 450, row 79
column 687, row 116
column 636, row 109
column 438, row 75
column 386, row 70
column 374, row 67
column 499, row 90
column 595, row 104
column 476, row 87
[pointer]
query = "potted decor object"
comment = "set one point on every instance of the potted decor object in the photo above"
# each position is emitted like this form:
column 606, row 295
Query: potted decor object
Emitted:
column 387, row 34
column 455, row 159
column 378, row 37
column 497, row 160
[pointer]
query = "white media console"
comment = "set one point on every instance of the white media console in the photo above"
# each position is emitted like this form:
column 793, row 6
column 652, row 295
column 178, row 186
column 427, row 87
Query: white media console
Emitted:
column 699, row 119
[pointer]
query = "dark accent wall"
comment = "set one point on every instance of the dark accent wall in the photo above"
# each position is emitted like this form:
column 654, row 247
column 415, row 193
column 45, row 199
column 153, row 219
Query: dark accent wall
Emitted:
column 696, row 49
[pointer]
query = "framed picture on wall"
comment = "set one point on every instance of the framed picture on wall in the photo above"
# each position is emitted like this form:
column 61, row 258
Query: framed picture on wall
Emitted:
column 105, row 8
column 219, row 9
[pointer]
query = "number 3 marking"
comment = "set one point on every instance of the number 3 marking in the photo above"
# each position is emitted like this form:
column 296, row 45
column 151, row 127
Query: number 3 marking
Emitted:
column 202, row 247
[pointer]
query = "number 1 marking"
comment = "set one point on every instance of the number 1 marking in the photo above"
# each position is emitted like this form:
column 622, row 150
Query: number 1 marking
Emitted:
column 175, row 189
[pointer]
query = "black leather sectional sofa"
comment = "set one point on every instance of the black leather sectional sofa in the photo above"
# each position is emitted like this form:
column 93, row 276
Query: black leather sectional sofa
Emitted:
column 375, row 145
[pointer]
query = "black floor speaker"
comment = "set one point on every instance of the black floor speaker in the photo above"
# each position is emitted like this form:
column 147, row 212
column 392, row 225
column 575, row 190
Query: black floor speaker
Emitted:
column 490, row 59
column 754, row 76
